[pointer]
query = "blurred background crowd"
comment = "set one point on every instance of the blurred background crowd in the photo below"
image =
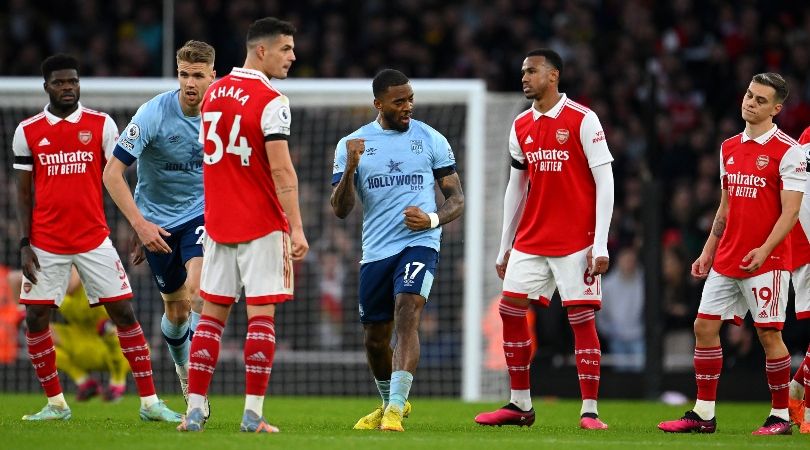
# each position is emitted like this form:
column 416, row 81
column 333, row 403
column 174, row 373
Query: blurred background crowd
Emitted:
column 702, row 53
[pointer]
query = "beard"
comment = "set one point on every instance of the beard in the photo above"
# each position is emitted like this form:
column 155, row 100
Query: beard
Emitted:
column 392, row 119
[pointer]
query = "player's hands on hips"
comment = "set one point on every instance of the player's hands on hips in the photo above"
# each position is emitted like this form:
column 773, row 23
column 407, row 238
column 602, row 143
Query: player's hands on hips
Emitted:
column 152, row 237
column 30, row 263
column 354, row 148
column 500, row 269
column 754, row 260
column 701, row 266
column 300, row 246
column 136, row 253
column 416, row 219
column 598, row 265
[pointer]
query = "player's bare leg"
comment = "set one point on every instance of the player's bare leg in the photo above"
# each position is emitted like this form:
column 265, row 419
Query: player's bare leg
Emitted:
column 407, row 313
column 377, row 342
column 517, row 349
column 42, row 353
column 135, row 349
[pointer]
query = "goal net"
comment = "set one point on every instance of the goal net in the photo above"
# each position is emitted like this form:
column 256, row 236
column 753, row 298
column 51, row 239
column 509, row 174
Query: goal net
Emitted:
column 319, row 338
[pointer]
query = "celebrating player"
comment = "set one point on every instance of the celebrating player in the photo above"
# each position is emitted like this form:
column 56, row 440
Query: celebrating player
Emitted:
column 167, row 211
column 393, row 163
column 253, row 223
column 558, row 147
column 745, row 261
column 59, row 156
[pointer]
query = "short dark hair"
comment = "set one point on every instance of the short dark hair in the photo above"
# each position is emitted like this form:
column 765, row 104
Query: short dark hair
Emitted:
column 775, row 81
column 59, row 61
column 551, row 56
column 269, row 27
column 387, row 78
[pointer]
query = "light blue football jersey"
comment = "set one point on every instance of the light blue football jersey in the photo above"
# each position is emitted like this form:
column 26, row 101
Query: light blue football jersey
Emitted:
column 165, row 143
column 395, row 171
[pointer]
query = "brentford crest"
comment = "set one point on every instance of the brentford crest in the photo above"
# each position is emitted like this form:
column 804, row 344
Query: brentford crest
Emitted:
column 85, row 136
column 562, row 136
column 762, row 161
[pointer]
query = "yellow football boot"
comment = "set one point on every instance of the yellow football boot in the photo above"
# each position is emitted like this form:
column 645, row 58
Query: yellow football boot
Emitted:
column 373, row 419
column 392, row 419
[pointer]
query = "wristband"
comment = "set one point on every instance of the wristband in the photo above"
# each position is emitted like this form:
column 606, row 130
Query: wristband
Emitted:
column 434, row 220
column 25, row 242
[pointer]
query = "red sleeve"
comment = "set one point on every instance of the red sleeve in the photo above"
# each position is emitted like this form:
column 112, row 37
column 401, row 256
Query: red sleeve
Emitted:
column 805, row 137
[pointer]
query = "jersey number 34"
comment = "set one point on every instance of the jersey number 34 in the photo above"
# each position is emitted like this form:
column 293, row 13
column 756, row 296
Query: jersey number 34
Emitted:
column 242, row 149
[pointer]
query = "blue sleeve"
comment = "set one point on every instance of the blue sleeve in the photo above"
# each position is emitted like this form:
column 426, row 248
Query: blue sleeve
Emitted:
column 140, row 131
column 443, row 156
column 340, row 162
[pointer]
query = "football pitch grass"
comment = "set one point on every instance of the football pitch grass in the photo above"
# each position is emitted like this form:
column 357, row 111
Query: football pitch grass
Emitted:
column 325, row 423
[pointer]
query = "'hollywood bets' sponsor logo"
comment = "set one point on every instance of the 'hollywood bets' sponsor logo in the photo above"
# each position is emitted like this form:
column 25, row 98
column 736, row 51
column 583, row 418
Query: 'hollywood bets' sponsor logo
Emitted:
column 65, row 163
column 547, row 160
column 744, row 185
column 415, row 181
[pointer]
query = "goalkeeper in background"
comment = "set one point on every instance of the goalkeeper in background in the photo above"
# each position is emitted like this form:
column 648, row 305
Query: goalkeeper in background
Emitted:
column 86, row 342
column 394, row 164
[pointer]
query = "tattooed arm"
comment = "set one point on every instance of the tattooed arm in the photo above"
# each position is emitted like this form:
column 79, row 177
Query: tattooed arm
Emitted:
column 701, row 266
column 286, row 181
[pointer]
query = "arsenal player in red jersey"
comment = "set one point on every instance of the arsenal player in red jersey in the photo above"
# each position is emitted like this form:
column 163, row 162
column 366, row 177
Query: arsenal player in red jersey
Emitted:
column 746, row 260
column 559, row 228
column 800, row 276
column 252, row 219
column 59, row 155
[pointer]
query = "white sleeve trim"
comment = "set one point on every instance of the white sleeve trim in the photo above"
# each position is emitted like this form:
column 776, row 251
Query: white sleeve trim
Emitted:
column 514, row 201
column 594, row 143
column 276, row 117
column 20, row 147
column 109, row 137
column 514, row 146
column 792, row 171
column 603, row 177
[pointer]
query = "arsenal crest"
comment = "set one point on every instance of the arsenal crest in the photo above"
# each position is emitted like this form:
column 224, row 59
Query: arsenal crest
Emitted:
column 27, row 287
column 562, row 136
column 762, row 161
column 85, row 136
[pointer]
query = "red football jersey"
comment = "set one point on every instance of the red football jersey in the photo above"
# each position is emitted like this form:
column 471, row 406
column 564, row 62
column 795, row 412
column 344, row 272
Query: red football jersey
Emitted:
column 240, row 112
column 798, row 235
column 67, row 157
column 558, row 148
column 754, row 171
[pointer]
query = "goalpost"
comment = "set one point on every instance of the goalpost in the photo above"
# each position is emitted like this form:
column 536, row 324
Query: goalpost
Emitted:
column 320, row 348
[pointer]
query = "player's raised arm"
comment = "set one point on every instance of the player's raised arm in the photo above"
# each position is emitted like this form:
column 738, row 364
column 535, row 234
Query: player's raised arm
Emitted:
column 342, row 199
column 286, row 182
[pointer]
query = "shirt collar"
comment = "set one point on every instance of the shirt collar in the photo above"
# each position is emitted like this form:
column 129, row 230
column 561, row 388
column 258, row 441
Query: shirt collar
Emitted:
column 763, row 138
column 72, row 118
column 553, row 112
column 250, row 73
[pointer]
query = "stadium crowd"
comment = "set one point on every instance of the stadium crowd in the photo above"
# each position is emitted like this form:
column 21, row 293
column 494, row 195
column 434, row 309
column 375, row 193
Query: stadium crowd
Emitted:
column 702, row 54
